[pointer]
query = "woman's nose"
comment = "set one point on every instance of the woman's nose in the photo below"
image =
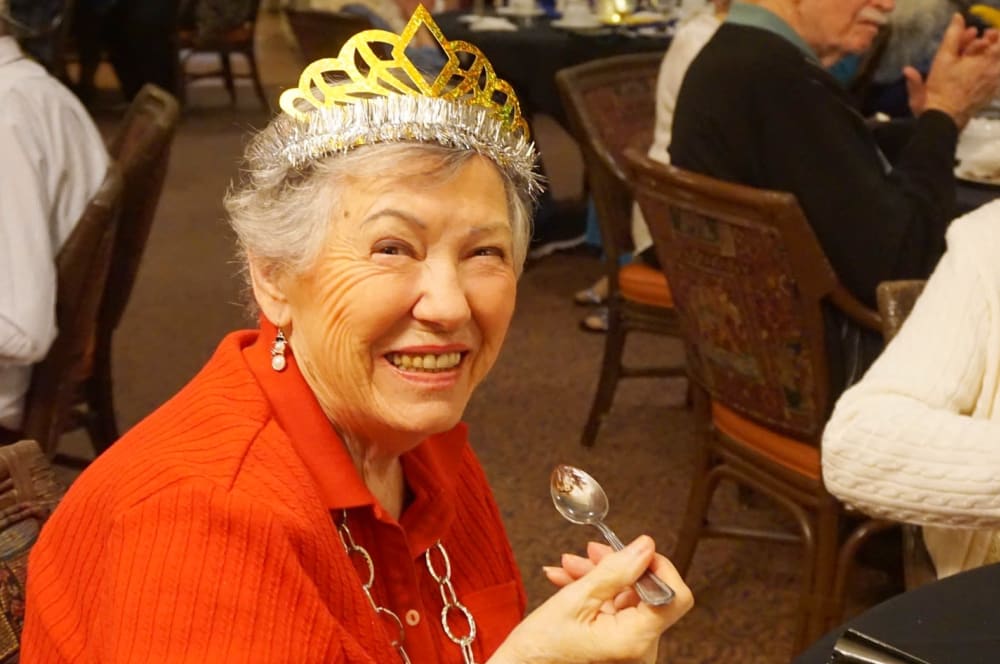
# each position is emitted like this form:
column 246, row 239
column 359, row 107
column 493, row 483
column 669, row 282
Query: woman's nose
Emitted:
column 443, row 302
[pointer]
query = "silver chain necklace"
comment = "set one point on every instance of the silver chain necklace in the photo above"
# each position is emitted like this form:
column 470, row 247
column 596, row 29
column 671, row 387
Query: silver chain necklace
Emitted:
column 445, row 587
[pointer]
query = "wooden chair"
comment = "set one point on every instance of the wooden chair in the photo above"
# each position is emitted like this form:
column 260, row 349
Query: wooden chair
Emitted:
column 750, row 282
column 82, row 269
column 142, row 150
column 609, row 103
column 895, row 301
column 239, row 39
column 320, row 34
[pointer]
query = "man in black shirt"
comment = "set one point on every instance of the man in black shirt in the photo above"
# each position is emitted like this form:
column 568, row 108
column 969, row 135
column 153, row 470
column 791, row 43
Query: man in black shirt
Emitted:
column 758, row 107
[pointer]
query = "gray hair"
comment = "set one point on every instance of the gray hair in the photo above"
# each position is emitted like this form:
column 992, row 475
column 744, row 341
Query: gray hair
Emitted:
column 281, row 213
column 917, row 28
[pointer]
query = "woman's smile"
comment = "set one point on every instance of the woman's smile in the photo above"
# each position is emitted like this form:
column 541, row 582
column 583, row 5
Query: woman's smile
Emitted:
column 429, row 368
column 426, row 362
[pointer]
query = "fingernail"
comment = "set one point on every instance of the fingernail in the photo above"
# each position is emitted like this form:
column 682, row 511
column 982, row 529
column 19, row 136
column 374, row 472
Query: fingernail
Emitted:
column 548, row 570
column 640, row 545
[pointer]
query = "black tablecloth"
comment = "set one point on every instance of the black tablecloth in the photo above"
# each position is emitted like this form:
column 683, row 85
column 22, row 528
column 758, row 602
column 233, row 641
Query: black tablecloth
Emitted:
column 952, row 621
column 971, row 195
column 529, row 58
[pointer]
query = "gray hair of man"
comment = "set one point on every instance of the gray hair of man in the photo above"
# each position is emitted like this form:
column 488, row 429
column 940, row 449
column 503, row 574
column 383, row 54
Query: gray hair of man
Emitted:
column 917, row 28
column 281, row 213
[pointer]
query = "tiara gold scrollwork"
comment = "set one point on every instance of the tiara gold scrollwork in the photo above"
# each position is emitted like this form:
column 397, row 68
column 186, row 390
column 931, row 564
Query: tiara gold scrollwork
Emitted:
column 339, row 81
column 373, row 93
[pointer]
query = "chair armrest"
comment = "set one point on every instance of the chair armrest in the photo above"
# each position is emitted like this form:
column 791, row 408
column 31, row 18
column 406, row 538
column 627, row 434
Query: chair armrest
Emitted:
column 855, row 310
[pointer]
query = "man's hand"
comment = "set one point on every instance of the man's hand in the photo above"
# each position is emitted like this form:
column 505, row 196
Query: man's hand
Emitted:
column 964, row 76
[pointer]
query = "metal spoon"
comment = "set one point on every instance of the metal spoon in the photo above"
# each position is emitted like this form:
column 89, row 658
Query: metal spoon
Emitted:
column 580, row 499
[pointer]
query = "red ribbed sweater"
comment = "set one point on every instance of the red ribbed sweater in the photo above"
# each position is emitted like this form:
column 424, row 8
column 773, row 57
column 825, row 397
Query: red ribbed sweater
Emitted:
column 206, row 534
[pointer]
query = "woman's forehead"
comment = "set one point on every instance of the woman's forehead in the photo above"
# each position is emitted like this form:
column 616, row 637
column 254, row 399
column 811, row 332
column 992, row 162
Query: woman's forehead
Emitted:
column 472, row 187
column 389, row 173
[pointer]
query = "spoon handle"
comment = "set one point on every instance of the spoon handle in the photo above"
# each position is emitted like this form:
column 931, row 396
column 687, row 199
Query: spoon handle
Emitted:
column 650, row 588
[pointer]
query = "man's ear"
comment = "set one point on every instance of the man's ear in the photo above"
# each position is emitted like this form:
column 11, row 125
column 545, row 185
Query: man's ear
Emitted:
column 269, row 292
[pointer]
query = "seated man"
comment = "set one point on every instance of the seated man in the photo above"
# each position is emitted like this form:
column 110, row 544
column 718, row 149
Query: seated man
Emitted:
column 757, row 107
column 53, row 163
column 918, row 439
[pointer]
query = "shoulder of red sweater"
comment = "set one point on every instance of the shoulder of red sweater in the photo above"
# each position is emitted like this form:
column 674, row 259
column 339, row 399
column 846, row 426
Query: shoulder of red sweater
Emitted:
column 205, row 433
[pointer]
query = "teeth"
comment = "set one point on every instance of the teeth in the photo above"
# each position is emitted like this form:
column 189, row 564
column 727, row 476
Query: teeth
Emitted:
column 427, row 362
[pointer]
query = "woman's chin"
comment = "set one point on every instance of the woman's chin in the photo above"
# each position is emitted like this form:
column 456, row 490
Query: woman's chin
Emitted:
column 424, row 402
column 426, row 419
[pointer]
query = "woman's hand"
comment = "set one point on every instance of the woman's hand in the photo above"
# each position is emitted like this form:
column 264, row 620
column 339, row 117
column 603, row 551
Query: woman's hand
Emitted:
column 964, row 76
column 596, row 616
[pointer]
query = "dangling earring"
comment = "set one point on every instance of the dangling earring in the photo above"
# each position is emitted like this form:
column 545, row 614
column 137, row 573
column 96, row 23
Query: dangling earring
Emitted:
column 278, row 362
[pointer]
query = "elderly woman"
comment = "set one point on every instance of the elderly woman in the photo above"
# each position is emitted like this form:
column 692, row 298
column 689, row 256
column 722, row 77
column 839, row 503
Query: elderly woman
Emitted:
column 918, row 439
column 311, row 495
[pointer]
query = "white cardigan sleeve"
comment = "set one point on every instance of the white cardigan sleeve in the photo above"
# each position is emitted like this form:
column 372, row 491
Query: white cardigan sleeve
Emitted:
column 918, row 439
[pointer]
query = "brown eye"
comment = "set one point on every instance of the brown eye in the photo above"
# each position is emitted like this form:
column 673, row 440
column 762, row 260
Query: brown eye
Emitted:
column 392, row 248
column 489, row 251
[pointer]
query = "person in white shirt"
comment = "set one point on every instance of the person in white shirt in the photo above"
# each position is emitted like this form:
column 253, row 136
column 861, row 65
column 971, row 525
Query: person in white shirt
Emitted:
column 692, row 34
column 691, row 37
column 53, row 161
column 918, row 438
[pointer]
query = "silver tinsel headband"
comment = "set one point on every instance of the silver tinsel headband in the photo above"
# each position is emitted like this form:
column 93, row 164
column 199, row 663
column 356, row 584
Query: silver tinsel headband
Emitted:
column 401, row 119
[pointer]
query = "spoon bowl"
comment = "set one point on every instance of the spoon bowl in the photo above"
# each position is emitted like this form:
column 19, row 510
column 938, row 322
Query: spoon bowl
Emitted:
column 578, row 496
column 582, row 500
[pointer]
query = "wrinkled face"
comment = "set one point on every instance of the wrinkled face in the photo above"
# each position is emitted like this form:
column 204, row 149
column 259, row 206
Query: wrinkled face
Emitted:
column 406, row 308
column 837, row 27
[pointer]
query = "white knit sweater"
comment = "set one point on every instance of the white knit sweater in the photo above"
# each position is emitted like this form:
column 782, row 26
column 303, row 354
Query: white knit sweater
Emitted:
column 918, row 439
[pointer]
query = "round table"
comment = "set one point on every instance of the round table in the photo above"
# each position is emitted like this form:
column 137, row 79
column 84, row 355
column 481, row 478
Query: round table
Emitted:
column 952, row 621
column 529, row 58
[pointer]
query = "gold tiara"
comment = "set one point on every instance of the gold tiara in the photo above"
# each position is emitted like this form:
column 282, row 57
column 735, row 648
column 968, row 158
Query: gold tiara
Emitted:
column 372, row 92
column 477, row 84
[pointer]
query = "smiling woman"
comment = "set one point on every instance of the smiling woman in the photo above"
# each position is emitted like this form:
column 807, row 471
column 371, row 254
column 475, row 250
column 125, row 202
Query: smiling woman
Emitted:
column 417, row 267
column 311, row 495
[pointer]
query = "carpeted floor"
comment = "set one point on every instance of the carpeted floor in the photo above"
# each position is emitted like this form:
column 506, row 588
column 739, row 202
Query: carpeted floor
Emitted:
column 526, row 418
